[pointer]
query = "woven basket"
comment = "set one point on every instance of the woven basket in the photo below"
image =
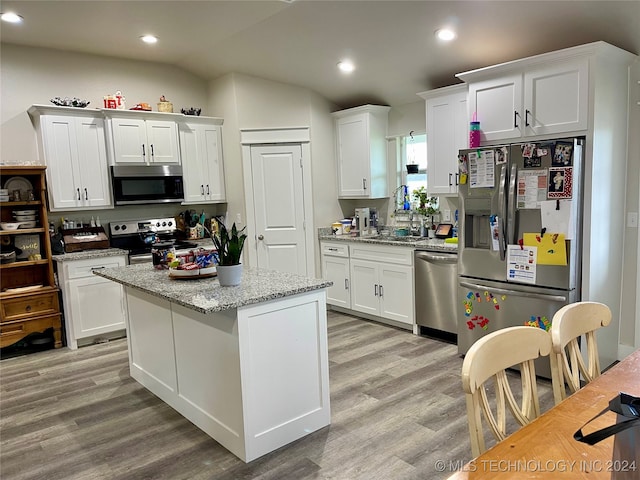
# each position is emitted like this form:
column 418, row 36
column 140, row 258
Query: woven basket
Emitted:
column 166, row 107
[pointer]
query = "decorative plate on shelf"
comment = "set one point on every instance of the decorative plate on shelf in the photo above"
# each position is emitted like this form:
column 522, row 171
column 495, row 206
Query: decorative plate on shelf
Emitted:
column 18, row 183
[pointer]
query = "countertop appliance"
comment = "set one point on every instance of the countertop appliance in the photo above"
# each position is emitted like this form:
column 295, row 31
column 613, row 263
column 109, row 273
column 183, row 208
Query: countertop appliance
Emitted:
column 436, row 282
column 142, row 184
column 517, row 204
column 366, row 221
column 86, row 238
column 140, row 237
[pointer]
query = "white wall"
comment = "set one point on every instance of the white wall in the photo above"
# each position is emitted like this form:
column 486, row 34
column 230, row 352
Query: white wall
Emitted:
column 247, row 102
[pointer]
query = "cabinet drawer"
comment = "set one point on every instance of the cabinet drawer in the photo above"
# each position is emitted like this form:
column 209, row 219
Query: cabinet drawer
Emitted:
column 335, row 250
column 85, row 268
column 27, row 306
column 12, row 332
column 383, row 253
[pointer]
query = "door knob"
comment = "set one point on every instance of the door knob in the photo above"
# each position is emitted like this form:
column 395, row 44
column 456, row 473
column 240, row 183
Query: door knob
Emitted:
column 260, row 237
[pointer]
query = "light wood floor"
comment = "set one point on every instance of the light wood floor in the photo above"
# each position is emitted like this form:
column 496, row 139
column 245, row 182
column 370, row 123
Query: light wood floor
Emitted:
column 397, row 407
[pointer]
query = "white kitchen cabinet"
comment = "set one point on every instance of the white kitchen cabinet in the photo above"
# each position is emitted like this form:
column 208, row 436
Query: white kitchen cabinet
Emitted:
column 202, row 160
column 142, row 138
column 447, row 133
column 93, row 306
column 72, row 144
column 382, row 282
column 516, row 100
column 361, row 151
column 335, row 267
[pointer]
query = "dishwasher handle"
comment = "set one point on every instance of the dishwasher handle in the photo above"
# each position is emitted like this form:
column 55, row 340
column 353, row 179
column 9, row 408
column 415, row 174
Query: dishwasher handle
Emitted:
column 430, row 257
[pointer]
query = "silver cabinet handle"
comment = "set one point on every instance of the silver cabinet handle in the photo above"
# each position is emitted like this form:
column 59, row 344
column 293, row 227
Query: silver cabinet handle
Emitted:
column 201, row 189
column 86, row 194
column 346, row 284
column 364, row 183
column 208, row 189
column 260, row 237
column 381, row 291
column 450, row 179
column 152, row 150
column 375, row 290
column 78, row 193
column 144, row 154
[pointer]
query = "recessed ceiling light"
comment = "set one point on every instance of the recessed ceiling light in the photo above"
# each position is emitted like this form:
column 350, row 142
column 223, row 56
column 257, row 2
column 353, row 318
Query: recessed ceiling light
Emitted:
column 11, row 17
column 346, row 66
column 149, row 39
column 445, row 34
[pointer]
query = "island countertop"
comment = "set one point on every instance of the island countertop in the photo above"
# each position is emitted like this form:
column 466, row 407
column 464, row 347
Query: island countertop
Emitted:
column 205, row 295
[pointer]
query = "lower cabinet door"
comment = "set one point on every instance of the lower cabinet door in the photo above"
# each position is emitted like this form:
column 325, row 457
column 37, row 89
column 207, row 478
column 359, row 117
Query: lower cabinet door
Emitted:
column 97, row 306
column 336, row 269
column 396, row 293
column 364, row 287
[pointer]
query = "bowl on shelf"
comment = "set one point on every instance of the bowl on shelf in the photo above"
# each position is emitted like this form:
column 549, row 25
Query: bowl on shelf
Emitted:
column 10, row 225
column 8, row 257
column 4, row 198
column 24, row 218
column 24, row 212
column 31, row 224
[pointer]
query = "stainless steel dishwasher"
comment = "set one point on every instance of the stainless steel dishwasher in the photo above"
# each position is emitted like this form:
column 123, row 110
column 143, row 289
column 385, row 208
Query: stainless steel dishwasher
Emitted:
column 436, row 284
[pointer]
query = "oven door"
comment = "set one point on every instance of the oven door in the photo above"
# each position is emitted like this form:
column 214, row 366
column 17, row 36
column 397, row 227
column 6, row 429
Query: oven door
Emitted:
column 147, row 184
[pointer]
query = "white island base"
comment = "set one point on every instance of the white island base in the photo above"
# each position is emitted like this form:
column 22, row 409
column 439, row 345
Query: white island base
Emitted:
column 254, row 378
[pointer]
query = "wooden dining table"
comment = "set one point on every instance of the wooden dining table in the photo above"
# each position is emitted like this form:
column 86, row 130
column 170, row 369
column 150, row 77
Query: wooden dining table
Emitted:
column 546, row 449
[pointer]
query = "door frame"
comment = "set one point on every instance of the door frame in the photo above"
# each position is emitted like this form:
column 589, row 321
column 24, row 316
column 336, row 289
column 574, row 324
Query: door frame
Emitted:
column 273, row 136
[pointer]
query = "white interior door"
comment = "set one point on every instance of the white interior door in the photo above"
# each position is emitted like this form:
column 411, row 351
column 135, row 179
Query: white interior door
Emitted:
column 278, row 202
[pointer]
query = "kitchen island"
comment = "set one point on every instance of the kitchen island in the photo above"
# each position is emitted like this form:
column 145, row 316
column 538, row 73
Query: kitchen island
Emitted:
column 248, row 364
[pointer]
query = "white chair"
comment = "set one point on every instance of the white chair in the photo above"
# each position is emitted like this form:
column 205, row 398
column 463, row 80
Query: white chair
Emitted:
column 488, row 358
column 567, row 364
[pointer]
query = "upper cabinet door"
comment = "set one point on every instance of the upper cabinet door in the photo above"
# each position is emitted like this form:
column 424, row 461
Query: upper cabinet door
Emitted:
column 203, row 166
column 361, row 150
column 129, row 141
column 75, row 152
column 497, row 103
column 94, row 172
column 556, row 98
column 447, row 133
column 353, row 156
column 162, row 137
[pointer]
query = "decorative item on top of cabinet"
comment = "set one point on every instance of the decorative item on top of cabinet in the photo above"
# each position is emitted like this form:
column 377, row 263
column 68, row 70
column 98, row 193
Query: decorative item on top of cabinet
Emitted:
column 28, row 295
column 542, row 95
column 447, row 129
column 72, row 143
column 361, row 150
column 137, row 137
column 202, row 160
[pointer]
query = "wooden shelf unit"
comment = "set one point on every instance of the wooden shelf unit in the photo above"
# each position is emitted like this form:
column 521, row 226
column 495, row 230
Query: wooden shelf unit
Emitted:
column 28, row 310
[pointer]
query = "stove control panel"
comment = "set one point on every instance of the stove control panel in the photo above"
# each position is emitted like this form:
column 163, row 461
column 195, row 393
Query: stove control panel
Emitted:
column 134, row 227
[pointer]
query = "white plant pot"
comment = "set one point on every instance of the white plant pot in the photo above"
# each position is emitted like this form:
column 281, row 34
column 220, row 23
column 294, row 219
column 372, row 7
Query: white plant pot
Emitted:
column 229, row 275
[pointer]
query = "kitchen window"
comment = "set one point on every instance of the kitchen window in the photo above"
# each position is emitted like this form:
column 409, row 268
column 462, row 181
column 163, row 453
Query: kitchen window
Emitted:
column 414, row 152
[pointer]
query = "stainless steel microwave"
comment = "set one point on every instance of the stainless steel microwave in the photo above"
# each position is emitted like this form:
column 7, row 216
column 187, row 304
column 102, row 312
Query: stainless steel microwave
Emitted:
column 140, row 184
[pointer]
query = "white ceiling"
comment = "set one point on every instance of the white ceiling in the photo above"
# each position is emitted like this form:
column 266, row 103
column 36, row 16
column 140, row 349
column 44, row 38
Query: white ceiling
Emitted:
column 300, row 42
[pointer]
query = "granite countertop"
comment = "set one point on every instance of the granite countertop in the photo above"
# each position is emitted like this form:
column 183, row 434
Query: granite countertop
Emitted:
column 205, row 295
column 88, row 254
column 415, row 243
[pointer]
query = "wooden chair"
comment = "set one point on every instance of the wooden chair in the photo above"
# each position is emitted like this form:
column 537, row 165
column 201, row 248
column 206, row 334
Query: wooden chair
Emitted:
column 488, row 358
column 567, row 363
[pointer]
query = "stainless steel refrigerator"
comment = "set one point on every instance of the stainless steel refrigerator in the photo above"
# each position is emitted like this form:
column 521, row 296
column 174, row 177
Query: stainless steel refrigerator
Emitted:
column 519, row 245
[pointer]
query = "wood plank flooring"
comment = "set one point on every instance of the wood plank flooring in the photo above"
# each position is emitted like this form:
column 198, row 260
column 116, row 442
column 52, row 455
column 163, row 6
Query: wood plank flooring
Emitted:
column 397, row 407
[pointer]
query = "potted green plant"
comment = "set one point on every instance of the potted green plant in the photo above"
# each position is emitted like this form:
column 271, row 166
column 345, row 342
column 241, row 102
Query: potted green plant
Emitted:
column 229, row 246
column 427, row 207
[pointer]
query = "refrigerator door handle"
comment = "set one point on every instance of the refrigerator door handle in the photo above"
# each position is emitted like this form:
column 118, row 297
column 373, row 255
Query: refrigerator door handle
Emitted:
column 505, row 291
column 501, row 208
column 511, row 199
